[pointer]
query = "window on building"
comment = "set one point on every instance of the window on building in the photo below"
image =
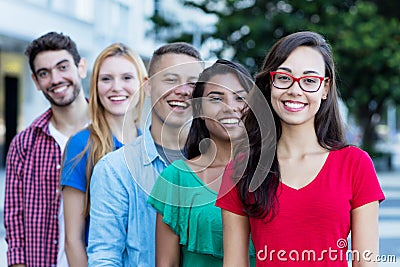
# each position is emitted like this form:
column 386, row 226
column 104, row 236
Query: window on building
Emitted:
column 42, row 3
column 84, row 10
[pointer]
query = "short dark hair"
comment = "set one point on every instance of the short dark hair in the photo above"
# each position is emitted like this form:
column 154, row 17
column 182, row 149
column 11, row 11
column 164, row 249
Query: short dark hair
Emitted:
column 173, row 48
column 51, row 41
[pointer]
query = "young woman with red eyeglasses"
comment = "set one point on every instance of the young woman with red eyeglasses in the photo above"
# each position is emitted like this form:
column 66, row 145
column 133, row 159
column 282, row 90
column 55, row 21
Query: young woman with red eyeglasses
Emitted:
column 318, row 189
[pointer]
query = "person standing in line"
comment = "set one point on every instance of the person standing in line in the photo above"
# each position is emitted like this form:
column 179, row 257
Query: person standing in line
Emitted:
column 318, row 188
column 32, row 204
column 189, row 225
column 122, row 224
column 116, row 99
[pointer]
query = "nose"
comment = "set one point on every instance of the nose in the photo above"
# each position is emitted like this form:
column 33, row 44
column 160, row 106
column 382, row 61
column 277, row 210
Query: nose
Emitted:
column 117, row 85
column 184, row 89
column 295, row 89
column 56, row 77
column 232, row 105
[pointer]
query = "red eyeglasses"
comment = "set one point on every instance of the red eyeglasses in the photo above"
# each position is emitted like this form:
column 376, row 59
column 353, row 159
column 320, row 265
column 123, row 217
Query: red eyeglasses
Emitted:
column 309, row 83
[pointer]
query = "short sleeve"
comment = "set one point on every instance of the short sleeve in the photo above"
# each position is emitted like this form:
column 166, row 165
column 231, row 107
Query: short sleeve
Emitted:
column 165, row 199
column 73, row 173
column 366, row 187
column 228, row 197
column 188, row 208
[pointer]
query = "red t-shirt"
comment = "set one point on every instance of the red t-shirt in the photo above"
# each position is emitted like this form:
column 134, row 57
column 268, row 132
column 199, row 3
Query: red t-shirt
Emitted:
column 313, row 222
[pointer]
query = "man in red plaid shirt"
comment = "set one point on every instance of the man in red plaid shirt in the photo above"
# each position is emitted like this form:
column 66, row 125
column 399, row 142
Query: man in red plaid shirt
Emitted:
column 32, row 202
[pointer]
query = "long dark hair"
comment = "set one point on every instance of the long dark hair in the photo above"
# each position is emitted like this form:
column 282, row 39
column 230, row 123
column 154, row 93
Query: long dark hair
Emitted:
column 198, row 130
column 262, row 202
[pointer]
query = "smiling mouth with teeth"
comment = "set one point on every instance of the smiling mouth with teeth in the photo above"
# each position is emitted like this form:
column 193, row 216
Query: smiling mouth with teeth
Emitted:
column 60, row 89
column 178, row 104
column 118, row 98
column 230, row 121
column 294, row 105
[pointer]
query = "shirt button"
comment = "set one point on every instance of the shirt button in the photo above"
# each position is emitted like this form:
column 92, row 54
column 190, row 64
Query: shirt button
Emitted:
column 57, row 191
column 58, row 167
column 55, row 216
column 55, row 242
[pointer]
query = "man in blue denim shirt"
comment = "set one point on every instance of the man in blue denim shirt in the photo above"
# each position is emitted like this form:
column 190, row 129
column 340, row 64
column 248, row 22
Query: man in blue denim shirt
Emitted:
column 122, row 226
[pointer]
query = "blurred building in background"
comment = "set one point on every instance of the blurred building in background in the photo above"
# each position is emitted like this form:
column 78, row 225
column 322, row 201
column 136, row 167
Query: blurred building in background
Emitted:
column 92, row 24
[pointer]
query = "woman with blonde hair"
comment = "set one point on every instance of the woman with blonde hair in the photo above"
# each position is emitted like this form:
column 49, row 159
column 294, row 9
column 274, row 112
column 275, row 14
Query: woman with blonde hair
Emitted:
column 115, row 102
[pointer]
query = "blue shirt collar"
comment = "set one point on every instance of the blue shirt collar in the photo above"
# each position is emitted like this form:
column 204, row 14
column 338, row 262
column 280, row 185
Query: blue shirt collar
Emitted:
column 148, row 148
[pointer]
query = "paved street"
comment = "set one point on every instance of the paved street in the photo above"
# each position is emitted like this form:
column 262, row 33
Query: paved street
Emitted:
column 389, row 218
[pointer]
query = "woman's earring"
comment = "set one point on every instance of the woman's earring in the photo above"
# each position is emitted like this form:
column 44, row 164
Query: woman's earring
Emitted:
column 324, row 97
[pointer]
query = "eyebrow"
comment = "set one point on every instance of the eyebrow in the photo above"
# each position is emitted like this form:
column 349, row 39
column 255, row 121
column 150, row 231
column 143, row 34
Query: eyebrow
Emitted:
column 305, row 72
column 222, row 93
column 58, row 63
column 177, row 75
column 170, row 73
column 120, row 74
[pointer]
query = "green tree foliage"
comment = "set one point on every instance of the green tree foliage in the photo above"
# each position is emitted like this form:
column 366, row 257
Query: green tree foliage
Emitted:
column 367, row 52
column 365, row 41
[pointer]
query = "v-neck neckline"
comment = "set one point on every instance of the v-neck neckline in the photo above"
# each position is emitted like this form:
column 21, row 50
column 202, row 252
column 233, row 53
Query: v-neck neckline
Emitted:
column 193, row 173
column 316, row 178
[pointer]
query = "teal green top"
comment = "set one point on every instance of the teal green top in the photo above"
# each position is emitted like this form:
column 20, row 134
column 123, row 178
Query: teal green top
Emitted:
column 188, row 207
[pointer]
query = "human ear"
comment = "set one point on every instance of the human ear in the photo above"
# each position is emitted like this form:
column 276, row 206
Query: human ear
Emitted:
column 199, row 107
column 35, row 80
column 146, row 86
column 82, row 69
column 201, row 116
column 327, row 84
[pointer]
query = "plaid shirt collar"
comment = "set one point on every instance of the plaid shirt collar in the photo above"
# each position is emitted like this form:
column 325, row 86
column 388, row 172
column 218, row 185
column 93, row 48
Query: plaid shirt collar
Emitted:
column 43, row 121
